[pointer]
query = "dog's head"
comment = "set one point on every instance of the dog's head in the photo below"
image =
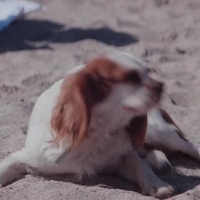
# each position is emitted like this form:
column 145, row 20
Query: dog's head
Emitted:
column 118, row 80
column 126, row 82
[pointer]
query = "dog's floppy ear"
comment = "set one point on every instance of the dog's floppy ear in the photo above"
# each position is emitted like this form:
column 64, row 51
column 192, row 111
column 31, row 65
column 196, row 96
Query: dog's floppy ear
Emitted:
column 137, row 131
column 79, row 93
column 71, row 116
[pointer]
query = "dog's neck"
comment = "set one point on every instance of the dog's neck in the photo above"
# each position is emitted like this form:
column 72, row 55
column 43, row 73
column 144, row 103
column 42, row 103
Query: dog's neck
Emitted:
column 109, row 119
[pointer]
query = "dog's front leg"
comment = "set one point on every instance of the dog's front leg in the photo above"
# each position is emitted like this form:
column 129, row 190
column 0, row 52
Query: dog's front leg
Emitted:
column 133, row 168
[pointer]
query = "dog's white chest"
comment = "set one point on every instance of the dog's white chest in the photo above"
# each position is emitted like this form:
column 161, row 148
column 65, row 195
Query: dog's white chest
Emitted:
column 96, row 153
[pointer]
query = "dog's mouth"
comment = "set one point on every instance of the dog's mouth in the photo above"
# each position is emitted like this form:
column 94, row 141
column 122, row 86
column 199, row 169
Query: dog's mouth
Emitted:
column 129, row 108
column 153, row 99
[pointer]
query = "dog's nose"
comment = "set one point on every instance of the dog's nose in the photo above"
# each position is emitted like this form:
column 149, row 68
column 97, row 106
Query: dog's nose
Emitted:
column 159, row 87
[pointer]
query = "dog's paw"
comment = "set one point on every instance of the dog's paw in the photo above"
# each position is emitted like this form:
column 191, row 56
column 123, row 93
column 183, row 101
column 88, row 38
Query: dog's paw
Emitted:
column 154, row 186
column 158, row 162
column 163, row 192
column 159, row 189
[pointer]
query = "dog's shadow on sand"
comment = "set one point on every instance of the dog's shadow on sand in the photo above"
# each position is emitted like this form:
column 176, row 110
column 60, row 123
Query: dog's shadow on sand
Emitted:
column 178, row 180
column 181, row 182
column 40, row 34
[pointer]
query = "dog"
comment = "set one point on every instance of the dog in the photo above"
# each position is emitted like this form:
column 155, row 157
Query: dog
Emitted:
column 97, row 120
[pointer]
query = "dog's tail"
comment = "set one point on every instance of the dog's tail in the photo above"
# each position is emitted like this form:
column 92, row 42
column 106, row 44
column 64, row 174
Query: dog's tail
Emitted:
column 12, row 167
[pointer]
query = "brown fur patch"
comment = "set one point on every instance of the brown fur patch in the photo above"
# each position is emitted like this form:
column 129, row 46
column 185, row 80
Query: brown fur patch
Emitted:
column 72, row 114
column 80, row 92
column 137, row 131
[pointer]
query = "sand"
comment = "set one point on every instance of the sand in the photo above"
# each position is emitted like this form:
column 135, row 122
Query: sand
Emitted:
column 36, row 52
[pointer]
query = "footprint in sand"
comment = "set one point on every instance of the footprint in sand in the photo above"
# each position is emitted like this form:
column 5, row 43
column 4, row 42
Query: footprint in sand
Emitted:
column 182, row 98
column 185, row 79
column 149, row 51
column 8, row 89
column 32, row 80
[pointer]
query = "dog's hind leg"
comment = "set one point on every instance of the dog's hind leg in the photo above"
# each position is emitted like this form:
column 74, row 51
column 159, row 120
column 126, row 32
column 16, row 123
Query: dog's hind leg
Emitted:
column 163, row 133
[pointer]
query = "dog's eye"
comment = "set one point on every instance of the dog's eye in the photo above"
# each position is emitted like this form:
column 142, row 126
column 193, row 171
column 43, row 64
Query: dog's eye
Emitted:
column 133, row 77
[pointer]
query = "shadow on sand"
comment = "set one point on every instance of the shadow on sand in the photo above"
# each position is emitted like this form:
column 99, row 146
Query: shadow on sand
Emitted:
column 37, row 34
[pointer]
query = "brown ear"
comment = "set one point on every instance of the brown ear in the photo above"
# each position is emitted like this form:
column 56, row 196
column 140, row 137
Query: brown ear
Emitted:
column 71, row 116
column 137, row 130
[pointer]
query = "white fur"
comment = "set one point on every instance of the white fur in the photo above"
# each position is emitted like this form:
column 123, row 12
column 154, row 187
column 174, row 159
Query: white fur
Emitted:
column 101, row 151
column 163, row 135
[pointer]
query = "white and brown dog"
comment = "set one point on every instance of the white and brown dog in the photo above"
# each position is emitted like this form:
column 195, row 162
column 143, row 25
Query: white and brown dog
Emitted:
column 96, row 120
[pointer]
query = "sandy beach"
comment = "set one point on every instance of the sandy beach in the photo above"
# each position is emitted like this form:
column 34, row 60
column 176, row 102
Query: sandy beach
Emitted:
column 37, row 51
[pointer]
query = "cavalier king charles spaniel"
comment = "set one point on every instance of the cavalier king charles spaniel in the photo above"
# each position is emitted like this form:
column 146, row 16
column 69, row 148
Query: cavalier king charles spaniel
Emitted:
column 97, row 120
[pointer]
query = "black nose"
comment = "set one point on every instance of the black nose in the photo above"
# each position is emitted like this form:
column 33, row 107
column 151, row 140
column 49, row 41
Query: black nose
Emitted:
column 159, row 87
